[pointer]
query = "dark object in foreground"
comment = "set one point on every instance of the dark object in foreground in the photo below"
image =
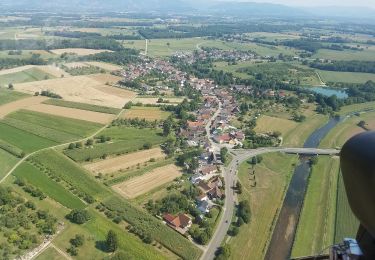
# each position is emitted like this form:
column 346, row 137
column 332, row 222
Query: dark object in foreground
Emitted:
column 357, row 159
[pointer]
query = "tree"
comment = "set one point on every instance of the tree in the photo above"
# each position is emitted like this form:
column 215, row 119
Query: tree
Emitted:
column 73, row 251
column 223, row 252
column 111, row 241
column 71, row 146
column 239, row 187
column 78, row 216
column 147, row 145
column 89, row 142
column 223, row 154
column 78, row 240
column 10, row 86
column 167, row 127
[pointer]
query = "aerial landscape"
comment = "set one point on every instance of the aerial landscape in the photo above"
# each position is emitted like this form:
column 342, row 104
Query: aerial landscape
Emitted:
column 190, row 130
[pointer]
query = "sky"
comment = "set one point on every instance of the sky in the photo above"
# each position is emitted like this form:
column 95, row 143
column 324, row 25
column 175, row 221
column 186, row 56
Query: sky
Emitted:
column 366, row 3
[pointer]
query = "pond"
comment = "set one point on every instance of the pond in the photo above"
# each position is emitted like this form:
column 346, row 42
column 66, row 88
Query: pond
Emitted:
column 330, row 92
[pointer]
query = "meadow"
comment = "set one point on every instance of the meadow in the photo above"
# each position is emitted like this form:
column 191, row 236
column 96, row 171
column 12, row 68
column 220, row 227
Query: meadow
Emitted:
column 8, row 96
column 32, row 74
column 272, row 177
column 51, row 188
column 7, row 161
column 148, row 113
column 365, row 55
column 124, row 140
column 346, row 77
column 316, row 225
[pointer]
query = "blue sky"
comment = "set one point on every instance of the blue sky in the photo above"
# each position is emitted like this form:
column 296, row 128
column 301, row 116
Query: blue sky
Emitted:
column 367, row 3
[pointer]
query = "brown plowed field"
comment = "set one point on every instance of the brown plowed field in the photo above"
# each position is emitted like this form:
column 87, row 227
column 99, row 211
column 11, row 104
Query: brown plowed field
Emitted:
column 125, row 161
column 73, row 113
column 147, row 182
column 20, row 104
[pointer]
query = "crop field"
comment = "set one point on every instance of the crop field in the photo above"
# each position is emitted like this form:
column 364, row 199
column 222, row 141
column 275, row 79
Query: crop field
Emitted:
column 92, row 89
column 73, row 113
column 148, row 113
column 8, row 96
column 365, row 55
column 7, row 161
column 82, row 106
column 105, row 66
column 54, row 71
column 124, row 140
column 346, row 224
column 70, row 172
column 50, row 254
column 75, row 127
column 346, row 77
column 138, row 218
column 316, row 226
column 23, row 140
column 15, row 105
column 28, row 75
column 125, row 161
column 272, row 176
column 147, row 182
column 51, row 188
column 78, row 51
column 357, row 108
column 95, row 232
column 267, row 124
column 154, row 100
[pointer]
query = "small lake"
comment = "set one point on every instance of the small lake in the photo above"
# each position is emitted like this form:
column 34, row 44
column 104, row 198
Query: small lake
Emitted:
column 330, row 92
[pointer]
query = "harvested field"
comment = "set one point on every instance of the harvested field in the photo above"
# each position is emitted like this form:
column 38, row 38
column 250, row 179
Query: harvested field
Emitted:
column 19, row 104
column 72, row 65
column 125, row 161
column 83, row 89
column 148, row 113
column 54, row 71
column 147, row 182
column 154, row 101
column 90, row 116
column 15, row 70
column 103, row 65
column 78, row 51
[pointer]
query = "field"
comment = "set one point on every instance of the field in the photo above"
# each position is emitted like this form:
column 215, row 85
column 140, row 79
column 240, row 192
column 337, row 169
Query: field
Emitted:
column 78, row 51
column 7, row 96
column 267, row 124
column 73, row 113
column 272, row 177
column 124, row 140
column 316, row 226
column 92, row 89
column 357, row 108
column 105, row 66
column 154, row 100
column 15, row 70
column 366, row 55
column 148, row 113
column 50, row 254
column 82, row 106
column 28, row 75
column 18, row 104
column 7, row 161
column 147, row 182
column 51, row 188
column 347, row 77
column 125, row 161
column 346, row 224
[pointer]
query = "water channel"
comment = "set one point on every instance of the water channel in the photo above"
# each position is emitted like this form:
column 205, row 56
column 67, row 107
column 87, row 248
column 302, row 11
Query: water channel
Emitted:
column 283, row 235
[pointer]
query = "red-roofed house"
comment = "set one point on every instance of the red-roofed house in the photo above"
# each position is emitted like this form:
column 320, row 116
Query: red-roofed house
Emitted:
column 181, row 222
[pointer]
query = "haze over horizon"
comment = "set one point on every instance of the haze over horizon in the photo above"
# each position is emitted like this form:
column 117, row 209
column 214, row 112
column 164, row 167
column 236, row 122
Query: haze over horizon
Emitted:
column 364, row 3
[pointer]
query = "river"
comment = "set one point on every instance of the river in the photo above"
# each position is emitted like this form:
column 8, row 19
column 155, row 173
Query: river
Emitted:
column 285, row 229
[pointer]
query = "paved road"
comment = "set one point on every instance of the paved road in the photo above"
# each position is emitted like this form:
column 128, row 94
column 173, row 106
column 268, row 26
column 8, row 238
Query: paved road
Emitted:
column 230, row 179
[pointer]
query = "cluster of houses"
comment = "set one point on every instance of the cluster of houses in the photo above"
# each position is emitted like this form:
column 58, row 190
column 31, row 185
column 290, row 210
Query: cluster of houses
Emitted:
column 215, row 55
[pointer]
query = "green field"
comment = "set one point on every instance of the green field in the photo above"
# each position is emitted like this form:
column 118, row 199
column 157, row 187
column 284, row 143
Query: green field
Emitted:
column 125, row 140
column 71, row 173
column 50, row 254
column 316, row 226
column 63, row 124
column 7, row 161
column 357, row 108
column 23, row 140
column 346, row 77
column 346, row 224
column 366, row 55
column 272, row 177
column 49, row 187
column 7, row 96
column 88, row 107
column 32, row 74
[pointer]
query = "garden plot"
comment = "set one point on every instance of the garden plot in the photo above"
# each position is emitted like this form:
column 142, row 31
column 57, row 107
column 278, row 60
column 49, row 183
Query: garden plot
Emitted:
column 147, row 182
column 93, row 89
column 124, row 162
